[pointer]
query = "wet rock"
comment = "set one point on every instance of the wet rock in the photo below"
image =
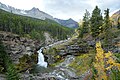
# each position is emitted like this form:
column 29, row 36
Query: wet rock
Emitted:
column 28, row 48
column 37, row 77
column 63, row 71
column 74, row 50
column 91, row 43
column 67, row 61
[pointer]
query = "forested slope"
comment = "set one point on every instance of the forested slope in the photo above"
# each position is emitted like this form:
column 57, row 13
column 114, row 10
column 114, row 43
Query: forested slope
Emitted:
column 31, row 27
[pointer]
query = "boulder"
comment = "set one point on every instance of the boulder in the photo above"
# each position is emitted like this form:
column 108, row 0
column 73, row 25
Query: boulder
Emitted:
column 28, row 48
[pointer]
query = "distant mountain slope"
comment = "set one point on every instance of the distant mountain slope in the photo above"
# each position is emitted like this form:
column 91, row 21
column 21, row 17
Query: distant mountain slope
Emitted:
column 32, row 27
column 115, row 17
column 69, row 23
column 34, row 12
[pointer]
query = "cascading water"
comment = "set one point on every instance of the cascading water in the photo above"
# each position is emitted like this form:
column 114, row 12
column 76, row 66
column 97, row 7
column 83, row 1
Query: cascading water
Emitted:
column 41, row 61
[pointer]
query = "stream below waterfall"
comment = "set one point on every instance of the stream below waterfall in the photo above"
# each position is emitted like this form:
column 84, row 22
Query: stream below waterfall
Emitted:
column 61, row 71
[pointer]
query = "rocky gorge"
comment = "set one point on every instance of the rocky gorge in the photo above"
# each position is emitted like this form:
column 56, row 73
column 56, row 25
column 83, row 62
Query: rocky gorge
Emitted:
column 65, row 58
column 36, row 46
column 23, row 52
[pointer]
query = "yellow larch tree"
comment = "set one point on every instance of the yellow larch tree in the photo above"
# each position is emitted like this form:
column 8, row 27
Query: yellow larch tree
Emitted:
column 99, row 63
column 104, row 62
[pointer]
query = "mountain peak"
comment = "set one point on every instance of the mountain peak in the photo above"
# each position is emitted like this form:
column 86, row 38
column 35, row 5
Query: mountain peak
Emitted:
column 70, row 19
column 35, row 9
column 34, row 12
column 68, row 23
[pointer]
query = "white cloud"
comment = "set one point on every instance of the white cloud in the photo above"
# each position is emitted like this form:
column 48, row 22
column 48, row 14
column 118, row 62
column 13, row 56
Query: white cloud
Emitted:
column 64, row 9
column 24, row 4
column 93, row 3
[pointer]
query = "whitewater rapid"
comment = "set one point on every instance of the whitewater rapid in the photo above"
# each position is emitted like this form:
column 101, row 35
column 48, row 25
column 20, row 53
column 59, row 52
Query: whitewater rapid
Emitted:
column 41, row 60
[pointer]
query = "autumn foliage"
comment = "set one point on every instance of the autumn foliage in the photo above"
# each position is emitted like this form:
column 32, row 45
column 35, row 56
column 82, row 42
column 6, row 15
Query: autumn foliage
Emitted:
column 104, row 62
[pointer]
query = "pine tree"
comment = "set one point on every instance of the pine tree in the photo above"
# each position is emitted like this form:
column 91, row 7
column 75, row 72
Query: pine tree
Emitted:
column 96, row 22
column 106, row 28
column 107, row 24
column 1, row 59
column 85, row 24
column 23, row 26
column 8, row 65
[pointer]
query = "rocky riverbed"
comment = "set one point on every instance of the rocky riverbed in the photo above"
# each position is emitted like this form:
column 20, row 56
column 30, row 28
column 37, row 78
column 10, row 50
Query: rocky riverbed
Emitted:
column 17, row 47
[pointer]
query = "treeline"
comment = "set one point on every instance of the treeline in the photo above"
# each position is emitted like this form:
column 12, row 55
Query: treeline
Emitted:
column 31, row 27
column 96, row 24
column 99, row 27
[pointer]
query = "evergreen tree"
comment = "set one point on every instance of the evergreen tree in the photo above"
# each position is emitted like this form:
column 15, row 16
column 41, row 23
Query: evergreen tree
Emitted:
column 85, row 24
column 107, row 24
column 23, row 26
column 8, row 65
column 2, row 69
column 96, row 22
column 107, row 29
column 81, row 32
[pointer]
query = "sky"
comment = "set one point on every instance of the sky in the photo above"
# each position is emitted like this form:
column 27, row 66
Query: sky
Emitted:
column 65, row 9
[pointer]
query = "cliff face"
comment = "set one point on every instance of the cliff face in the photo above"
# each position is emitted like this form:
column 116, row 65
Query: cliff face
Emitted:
column 17, row 46
column 116, row 18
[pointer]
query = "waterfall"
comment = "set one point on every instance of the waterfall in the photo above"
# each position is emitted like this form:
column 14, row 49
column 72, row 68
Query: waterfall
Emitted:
column 41, row 61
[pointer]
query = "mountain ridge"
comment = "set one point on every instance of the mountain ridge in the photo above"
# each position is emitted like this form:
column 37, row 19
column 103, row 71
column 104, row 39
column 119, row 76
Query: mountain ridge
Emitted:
column 116, row 17
column 36, row 13
column 69, row 23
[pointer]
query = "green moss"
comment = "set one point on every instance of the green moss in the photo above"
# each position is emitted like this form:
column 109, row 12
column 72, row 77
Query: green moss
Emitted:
column 26, row 62
column 34, row 58
column 7, row 64
column 51, row 51
column 115, row 74
column 118, row 57
column 27, row 35
column 56, row 63
column 82, row 63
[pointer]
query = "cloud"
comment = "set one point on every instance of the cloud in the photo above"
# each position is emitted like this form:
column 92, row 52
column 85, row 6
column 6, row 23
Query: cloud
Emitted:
column 24, row 4
column 111, row 4
column 65, row 9
column 75, row 8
